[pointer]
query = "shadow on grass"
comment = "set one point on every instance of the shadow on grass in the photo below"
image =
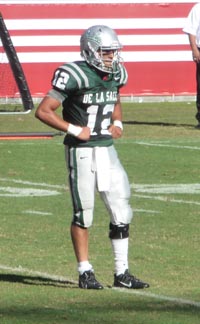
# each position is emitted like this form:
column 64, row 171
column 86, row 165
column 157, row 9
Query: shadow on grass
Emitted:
column 89, row 306
column 100, row 308
column 37, row 280
column 134, row 122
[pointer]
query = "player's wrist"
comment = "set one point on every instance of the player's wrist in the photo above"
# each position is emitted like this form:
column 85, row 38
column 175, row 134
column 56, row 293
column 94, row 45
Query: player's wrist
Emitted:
column 118, row 123
column 74, row 130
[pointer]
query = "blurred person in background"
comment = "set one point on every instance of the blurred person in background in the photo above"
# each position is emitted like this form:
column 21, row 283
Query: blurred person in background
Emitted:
column 192, row 28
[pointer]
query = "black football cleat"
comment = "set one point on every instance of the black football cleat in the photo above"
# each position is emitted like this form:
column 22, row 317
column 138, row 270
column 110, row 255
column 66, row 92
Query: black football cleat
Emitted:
column 88, row 281
column 126, row 280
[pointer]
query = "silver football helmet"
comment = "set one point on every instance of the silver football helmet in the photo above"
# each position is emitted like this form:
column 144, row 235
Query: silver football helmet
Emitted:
column 96, row 40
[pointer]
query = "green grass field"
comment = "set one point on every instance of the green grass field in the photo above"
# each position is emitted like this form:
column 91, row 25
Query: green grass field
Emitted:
column 38, row 277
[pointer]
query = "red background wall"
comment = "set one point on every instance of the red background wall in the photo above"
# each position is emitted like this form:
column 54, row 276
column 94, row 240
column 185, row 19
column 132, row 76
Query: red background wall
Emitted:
column 146, row 77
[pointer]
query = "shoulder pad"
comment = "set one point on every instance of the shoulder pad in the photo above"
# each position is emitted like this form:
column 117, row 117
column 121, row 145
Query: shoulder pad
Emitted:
column 76, row 72
column 123, row 74
column 70, row 76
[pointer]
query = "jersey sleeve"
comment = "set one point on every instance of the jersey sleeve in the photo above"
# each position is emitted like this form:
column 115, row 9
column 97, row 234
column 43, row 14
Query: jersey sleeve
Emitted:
column 64, row 81
column 122, row 75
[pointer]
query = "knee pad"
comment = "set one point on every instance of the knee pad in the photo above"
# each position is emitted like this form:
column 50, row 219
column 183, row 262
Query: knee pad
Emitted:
column 118, row 231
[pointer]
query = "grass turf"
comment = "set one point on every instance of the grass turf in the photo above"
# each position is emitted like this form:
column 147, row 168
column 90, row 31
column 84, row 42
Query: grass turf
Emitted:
column 159, row 149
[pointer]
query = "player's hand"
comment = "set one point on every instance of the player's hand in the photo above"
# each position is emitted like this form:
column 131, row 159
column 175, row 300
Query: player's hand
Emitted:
column 85, row 134
column 115, row 131
column 196, row 56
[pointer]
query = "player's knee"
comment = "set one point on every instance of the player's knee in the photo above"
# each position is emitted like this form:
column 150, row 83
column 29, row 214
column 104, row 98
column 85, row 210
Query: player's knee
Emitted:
column 122, row 212
column 120, row 231
column 128, row 212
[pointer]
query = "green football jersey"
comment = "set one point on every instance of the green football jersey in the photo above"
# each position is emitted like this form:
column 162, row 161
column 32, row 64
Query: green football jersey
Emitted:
column 88, row 99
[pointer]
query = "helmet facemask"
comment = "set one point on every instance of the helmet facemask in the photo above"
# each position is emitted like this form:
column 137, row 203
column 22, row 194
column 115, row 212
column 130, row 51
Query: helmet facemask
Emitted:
column 112, row 67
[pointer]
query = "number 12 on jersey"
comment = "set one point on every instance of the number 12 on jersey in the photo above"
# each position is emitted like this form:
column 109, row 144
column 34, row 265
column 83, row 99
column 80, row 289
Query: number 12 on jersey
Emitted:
column 99, row 118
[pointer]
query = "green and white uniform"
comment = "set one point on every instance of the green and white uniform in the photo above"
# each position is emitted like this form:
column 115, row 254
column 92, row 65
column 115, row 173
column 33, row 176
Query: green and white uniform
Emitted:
column 88, row 99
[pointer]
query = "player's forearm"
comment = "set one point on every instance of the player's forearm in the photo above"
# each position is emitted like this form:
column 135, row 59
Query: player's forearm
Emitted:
column 46, row 113
column 49, row 118
column 117, row 113
column 194, row 48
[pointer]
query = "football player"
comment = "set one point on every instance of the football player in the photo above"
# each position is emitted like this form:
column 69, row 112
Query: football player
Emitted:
column 92, row 117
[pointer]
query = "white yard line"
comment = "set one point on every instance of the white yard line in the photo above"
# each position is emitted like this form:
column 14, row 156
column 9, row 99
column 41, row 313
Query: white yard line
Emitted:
column 169, row 145
column 167, row 188
column 146, row 211
column 26, row 192
column 30, row 183
column 167, row 199
column 46, row 275
column 6, row 191
column 180, row 301
column 151, row 191
column 36, row 212
column 139, row 190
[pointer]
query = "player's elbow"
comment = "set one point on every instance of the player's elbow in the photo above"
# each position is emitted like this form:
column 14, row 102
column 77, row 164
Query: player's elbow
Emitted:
column 37, row 114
